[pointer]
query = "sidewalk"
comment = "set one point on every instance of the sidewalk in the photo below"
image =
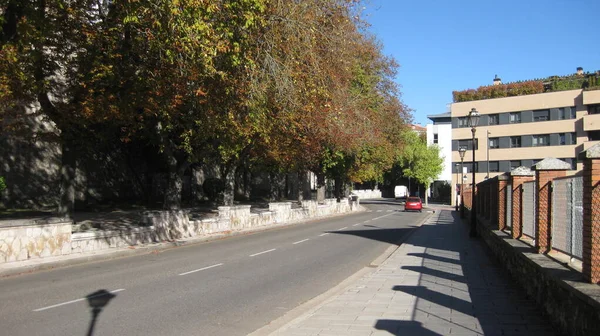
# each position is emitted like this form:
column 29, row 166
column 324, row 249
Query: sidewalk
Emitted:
column 439, row 282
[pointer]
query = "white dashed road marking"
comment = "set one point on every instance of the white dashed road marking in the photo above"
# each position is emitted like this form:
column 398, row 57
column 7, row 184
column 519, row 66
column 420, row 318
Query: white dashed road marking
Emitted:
column 323, row 234
column 259, row 253
column 344, row 228
column 201, row 269
column 300, row 241
column 78, row 300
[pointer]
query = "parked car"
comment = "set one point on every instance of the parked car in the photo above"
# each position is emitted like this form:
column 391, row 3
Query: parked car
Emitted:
column 413, row 204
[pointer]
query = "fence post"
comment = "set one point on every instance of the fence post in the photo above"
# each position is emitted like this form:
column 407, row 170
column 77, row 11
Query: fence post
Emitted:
column 545, row 171
column 591, row 214
column 502, row 183
column 519, row 176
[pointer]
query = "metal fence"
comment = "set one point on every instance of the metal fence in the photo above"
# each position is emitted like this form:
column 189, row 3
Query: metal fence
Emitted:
column 528, row 212
column 567, row 215
column 509, row 206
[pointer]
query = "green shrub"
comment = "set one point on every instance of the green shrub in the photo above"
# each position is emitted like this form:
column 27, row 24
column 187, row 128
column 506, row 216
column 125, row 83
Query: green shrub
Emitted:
column 2, row 183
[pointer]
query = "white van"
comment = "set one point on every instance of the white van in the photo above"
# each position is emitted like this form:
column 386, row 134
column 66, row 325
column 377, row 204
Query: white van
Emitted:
column 400, row 191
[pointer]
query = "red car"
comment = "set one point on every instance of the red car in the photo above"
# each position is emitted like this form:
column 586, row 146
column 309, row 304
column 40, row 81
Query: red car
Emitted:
column 414, row 204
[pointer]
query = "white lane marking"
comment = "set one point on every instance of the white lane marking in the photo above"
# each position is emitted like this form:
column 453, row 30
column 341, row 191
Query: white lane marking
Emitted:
column 267, row 251
column 368, row 220
column 201, row 269
column 344, row 228
column 376, row 218
column 379, row 210
column 301, row 241
column 390, row 210
column 357, row 224
column 78, row 300
column 323, row 234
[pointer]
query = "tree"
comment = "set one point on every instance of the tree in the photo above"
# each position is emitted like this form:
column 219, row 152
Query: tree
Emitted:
column 419, row 161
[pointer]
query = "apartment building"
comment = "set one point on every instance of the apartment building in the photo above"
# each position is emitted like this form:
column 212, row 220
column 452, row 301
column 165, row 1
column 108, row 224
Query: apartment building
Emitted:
column 523, row 129
column 439, row 132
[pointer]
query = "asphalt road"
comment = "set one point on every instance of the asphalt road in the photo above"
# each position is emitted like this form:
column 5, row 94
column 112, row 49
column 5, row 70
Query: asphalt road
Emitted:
column 228, row 287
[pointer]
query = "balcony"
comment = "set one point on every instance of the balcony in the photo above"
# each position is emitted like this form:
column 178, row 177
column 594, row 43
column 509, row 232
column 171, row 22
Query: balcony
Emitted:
column 591, row 122
column 591, row 97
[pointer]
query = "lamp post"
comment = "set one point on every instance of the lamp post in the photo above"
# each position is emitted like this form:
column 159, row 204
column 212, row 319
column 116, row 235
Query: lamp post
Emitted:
column 473, row 120
column 461, row 152
column 488, row 155
column 456, row 166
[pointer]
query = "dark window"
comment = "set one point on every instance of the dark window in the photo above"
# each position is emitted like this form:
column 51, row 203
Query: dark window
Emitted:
column 573, row 138
column 468, row 144
column 594, row 135
column 563, row 138
column 463, row 122
column 594, row 109
column 435, row 138
column 541, row 115
column 561, row 114
column 514, row 164
column 573, row 112
column 493, row 119
column 515, row 117
column 494, row 143
column 535, row 161
column 494, row 166
column 541, row 140
column 515, row 141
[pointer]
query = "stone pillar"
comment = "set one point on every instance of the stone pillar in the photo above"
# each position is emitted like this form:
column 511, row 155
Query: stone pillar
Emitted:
column 502, row 183
column 519, row 176
column 546, row 171
column 591, row 214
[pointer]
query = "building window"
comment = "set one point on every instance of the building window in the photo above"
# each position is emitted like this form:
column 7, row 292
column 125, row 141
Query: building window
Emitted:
column 468, row 144
column 494, row 166
column 593, row 135
column 514, row 164
column 541, row 115
column 435, row 138
column 535, row 161
column 515, row 117
column 541, row 140
column 515, row 141
column 494, row 143
column 563, row 138
column 594, row 109
column 493, row 119
column 573, row 138
column 573, row 112
column 463, row 122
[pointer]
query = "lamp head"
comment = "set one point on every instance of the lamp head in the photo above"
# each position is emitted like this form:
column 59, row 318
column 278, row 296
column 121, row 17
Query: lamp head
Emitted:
column 473, row 120
column 461, row 152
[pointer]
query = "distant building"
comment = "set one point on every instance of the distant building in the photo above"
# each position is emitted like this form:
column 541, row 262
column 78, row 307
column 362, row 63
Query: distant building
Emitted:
column 560, row 120
column 440, row 133
column 418, row 128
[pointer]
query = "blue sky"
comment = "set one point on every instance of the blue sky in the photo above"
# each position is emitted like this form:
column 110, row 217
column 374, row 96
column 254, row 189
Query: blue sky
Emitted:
column 447, row 45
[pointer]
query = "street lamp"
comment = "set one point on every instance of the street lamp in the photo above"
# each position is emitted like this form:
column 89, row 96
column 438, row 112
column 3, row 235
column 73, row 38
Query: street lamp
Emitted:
column 488, row 155
column 461, row 152
column 456, row 166
column 473, row 120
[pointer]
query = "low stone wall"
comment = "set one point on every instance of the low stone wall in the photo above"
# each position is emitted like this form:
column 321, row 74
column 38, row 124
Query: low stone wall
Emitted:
column 172, row 225
column 367, row 193
column 29, row 239
column 571, row 303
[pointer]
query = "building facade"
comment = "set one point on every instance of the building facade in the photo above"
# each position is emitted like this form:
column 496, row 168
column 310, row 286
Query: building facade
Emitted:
column 522, row 130
column 439, row 132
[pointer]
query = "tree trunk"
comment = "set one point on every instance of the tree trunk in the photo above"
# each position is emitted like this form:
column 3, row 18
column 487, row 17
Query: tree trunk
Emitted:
column 229, row 192
column 198, row 178
column 338, row 188
column 320, row 187
column 66, row 204
column 172, row 200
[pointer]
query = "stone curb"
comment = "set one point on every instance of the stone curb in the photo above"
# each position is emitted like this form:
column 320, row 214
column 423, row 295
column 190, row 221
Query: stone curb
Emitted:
column 50, row 263
column 315, row 303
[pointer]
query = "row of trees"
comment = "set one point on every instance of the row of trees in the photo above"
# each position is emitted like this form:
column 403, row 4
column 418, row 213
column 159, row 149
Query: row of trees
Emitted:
column 286, row 86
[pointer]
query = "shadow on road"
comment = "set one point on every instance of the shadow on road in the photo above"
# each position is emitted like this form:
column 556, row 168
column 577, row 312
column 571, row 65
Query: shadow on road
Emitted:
column 397, row 327
column 97, row 301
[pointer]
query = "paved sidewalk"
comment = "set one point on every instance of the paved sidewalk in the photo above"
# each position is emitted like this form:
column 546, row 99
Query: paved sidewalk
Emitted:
column 439, row 282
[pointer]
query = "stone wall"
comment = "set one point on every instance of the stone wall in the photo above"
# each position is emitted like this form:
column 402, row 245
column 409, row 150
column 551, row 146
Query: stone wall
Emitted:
column 29, row 239
column 367, row 193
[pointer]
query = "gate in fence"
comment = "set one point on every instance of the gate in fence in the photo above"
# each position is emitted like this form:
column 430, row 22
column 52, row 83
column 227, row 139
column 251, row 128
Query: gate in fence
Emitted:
column 509, row 206
column 567, row 215
column 528, row 211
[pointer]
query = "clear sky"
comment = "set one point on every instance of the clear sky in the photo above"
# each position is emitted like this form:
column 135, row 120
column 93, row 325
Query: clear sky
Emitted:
column 448, row 45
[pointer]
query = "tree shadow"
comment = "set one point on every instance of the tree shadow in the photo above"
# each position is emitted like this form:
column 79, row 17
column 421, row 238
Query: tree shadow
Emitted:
column 390, row 236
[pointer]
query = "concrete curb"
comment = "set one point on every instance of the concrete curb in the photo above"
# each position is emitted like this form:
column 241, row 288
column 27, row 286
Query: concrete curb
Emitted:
column 314, row 304
column 45, row 264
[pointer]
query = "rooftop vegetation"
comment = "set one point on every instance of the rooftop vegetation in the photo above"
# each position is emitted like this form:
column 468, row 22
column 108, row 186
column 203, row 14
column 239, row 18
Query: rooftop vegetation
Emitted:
column 587, row 81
